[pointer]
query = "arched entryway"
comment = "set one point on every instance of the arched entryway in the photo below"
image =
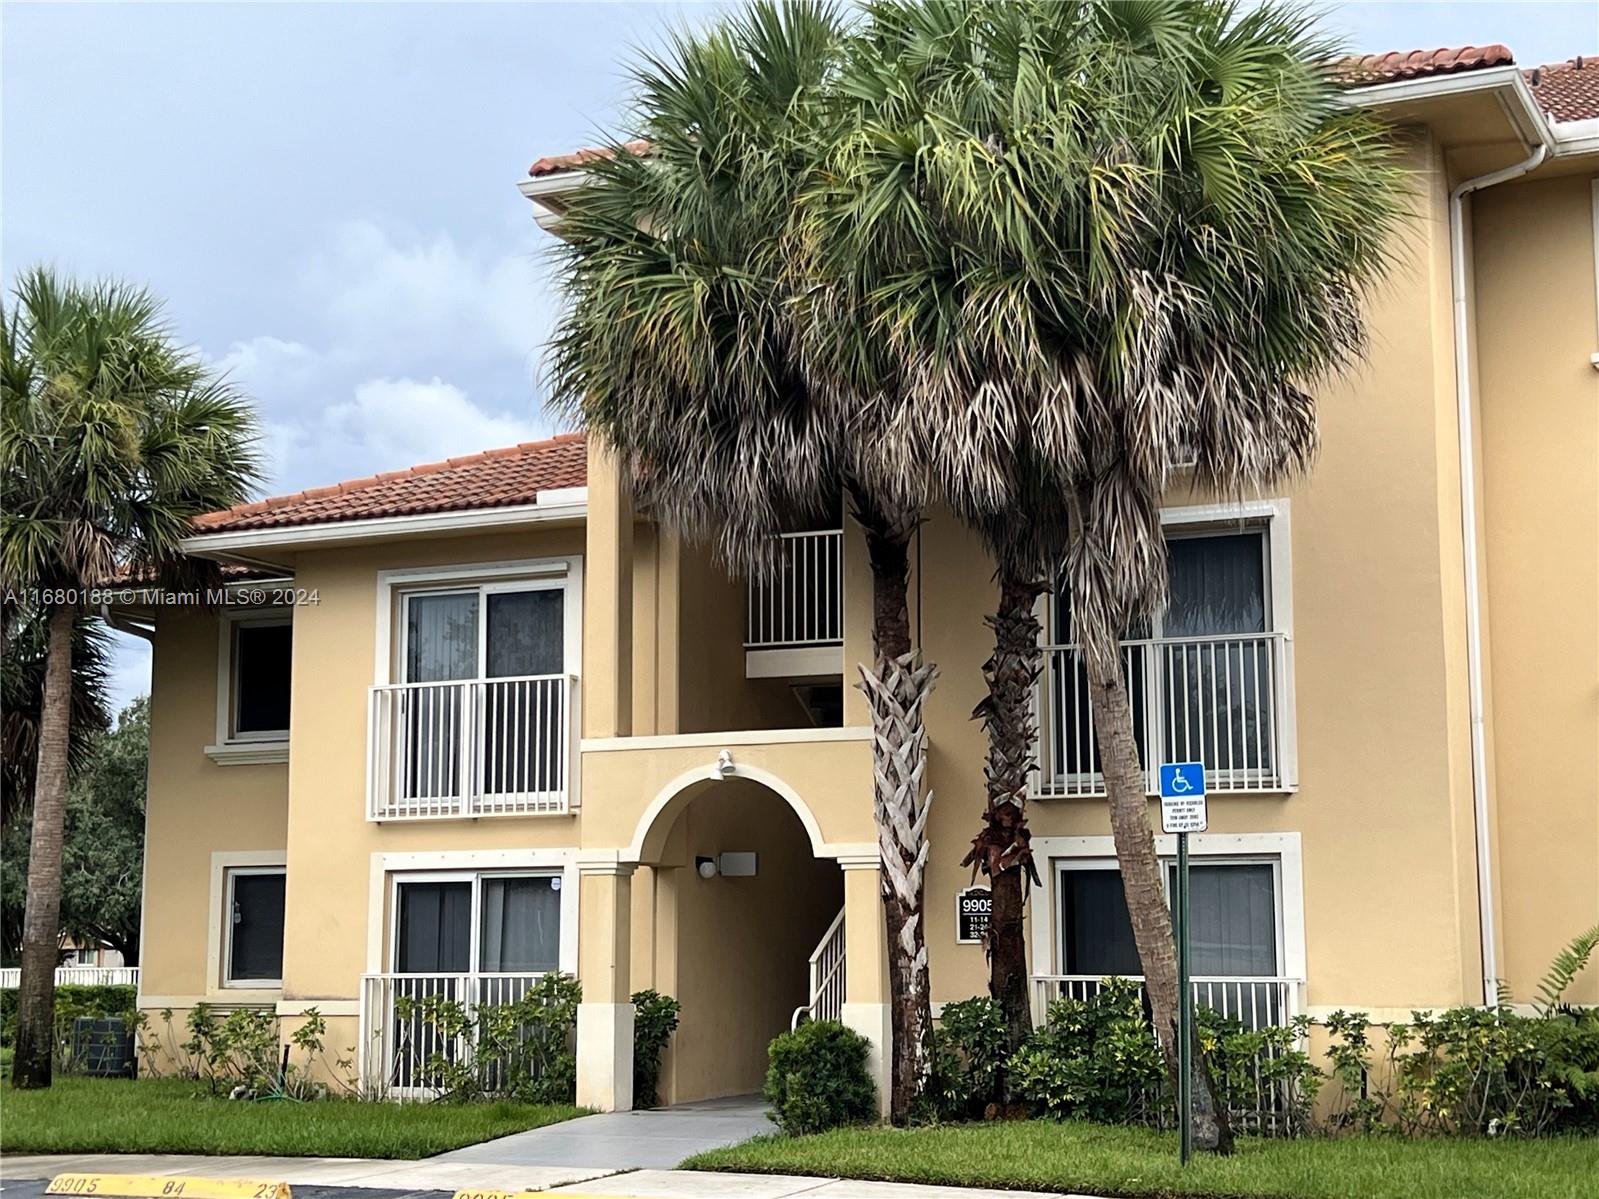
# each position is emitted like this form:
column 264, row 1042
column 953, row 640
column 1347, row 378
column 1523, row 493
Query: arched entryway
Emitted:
column 733, row 947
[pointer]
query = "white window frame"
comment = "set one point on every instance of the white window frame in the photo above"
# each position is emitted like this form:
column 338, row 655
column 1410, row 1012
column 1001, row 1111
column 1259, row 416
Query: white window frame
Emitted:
column 1271, row 516
column 394, row 586
column 388, row 869
column 475, row 917
column 1099, row 852
column 229, row 875
column 404, row 596
column 1060, row 866
column 232, row 747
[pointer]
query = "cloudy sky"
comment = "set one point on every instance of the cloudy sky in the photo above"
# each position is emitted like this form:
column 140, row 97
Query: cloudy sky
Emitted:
column 325, row 194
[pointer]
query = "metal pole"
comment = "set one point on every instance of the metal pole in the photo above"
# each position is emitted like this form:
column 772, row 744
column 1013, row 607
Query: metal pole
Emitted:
column 1185, row 1010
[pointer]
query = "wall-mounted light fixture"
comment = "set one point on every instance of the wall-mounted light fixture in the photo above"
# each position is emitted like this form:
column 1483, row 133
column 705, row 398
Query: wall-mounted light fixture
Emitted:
column 705, row 866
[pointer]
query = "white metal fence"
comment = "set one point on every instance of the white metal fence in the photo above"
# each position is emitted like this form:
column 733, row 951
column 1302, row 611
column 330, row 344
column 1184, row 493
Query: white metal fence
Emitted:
column 827, row 976
column 478, row 747
column 1224, row 700
column 79, row 976
column 1261, row 1098
column 1254, row 1001
column 403, row 1054
column 800, row 603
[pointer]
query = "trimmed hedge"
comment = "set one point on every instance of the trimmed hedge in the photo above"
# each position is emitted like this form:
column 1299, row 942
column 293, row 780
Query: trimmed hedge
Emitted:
column 818, row 1079
column 73, row 1000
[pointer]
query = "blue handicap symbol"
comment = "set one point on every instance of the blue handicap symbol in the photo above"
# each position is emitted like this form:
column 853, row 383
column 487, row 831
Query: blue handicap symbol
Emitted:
column 1180, row 779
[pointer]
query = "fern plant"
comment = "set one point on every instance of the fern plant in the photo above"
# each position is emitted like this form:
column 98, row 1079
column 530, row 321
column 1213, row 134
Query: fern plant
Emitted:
column 1563, row 971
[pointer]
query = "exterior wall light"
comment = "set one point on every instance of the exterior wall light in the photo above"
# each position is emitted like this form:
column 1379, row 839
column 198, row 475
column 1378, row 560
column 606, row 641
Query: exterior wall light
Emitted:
column 706, row 867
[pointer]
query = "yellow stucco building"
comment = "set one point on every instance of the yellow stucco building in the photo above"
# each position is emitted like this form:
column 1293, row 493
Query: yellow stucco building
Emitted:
column 462, row 725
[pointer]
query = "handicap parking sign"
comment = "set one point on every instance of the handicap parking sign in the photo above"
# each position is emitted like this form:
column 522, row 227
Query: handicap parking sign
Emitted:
column 1182, row 798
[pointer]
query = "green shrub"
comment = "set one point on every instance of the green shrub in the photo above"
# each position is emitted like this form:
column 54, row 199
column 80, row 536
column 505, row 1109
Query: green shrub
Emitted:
column 654, row 1021
column 1094, row 1058
column 818, row 1079
column 522, row 1051
column 72, row 1001
column 968, row 1052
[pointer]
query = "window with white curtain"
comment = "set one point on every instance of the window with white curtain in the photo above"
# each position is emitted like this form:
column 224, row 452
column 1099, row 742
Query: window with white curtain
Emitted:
column 1233, row 905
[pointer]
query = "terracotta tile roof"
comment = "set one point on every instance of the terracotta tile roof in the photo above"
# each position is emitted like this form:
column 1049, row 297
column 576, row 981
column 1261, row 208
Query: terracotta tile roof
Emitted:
column 492, row 479
column 555, row 164
column 1568, row 91
column 1364, row 69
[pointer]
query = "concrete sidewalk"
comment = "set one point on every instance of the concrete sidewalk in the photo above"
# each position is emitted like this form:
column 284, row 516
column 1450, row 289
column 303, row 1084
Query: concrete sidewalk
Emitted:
column 657, row 1139
column 354, row 1178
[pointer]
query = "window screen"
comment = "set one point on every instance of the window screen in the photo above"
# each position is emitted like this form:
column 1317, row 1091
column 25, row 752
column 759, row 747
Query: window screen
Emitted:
column 261, row 655
column 1096, row 934
column 256, row 946
column 521, row 924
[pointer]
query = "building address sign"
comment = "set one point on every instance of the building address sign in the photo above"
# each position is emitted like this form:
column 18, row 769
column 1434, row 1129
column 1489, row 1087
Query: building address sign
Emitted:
column 973, row 906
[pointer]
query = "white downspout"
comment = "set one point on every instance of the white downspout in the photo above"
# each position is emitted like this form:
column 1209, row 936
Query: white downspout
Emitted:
column 1468, row 529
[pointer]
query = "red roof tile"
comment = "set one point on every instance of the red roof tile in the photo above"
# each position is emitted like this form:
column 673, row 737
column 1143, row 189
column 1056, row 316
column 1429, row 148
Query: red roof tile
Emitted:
column 1364, row 69
column 492, row 479
column 555, row 164
column 1568, row 91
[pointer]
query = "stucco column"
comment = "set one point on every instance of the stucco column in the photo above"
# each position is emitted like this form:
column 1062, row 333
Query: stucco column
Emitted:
column 865, row 1007
column 607, row 600
column 605, row 1016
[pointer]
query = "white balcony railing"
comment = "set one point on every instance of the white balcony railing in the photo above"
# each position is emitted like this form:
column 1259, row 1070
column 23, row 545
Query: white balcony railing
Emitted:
column 827, row 976
column 404, row 1055
column 800, row 603
column 1253, row 1000
column 478, row 747
column 1225, row 700
column 79, row 976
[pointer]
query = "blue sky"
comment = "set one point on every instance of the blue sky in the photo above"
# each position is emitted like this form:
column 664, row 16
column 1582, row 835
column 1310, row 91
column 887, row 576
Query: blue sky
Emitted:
column 325, row 194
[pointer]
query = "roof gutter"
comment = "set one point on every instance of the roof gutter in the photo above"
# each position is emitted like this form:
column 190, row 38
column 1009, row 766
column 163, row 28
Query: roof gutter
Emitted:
column 1538, row 149
column 557, row 504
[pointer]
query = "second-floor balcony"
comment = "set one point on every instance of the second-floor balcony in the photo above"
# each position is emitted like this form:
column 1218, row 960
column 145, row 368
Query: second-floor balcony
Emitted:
column 794, row 615
column 472, row 747
column 1225, row 700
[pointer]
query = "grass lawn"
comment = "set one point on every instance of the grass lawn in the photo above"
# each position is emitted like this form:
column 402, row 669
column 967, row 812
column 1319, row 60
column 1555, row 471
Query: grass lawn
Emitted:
column 166, row 1115
column 1043, row 1155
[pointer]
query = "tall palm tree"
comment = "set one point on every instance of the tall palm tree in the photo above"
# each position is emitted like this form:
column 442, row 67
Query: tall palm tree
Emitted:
column 114, row 436
column 683, row 348
column 1107, row 237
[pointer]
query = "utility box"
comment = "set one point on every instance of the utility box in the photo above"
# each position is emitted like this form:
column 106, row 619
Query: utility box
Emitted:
column 103, row 1047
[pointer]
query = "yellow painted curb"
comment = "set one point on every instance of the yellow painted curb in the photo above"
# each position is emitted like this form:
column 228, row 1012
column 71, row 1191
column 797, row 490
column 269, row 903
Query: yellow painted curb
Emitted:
column 480, row 1193
column 165, row 1186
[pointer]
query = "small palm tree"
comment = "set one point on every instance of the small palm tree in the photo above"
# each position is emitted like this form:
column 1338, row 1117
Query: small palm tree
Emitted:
column 1105, row 238
column 114, row 437
column 741, row 411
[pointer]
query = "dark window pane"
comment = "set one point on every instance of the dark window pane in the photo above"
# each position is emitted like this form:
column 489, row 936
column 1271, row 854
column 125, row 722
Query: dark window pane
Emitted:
column 525, row 633
column 435, row 928
column 1218, row 585
column 521, row 924
column 257, row 935
column 1096, row 932
column 1233, row 910
column 261, row 654
column 441, row 637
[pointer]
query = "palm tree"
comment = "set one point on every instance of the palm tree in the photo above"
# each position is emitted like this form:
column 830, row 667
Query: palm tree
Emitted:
column 683, row 348
column 114, row 437
column 1106, row 238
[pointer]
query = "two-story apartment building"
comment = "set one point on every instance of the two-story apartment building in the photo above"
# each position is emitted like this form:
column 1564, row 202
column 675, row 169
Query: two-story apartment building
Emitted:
column 479, row 720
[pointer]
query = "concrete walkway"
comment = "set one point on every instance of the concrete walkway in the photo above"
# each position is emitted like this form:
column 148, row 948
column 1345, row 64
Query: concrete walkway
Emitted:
column 626, row 1140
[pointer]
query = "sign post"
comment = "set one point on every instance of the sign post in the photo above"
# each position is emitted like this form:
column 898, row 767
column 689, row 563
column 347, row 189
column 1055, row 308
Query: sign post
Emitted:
column 1183, row 811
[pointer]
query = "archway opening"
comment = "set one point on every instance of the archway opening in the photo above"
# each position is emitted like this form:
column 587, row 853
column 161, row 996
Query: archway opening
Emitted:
column 734, row 948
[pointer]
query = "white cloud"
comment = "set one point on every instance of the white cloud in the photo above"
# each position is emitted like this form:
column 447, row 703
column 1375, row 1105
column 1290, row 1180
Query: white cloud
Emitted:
column 387, row 425
column 392, row 290
column 266, row 364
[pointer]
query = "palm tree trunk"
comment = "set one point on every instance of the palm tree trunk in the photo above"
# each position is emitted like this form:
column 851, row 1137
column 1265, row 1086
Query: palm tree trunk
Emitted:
column 1146, row 897
column 1002, row 850
column 41, row 921
column 896, row 689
